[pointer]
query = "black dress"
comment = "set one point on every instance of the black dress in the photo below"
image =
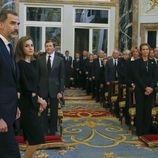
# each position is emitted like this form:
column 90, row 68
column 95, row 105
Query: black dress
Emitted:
column 28, row 84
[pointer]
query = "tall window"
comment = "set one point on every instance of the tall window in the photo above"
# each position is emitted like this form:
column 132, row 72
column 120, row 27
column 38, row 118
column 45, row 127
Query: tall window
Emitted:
column 43, row 23
column 36, row 34
column 152, row 38
column 91, row 16
column 74, row 28
column 43, row 14
column 100, row 37
column 91, row 30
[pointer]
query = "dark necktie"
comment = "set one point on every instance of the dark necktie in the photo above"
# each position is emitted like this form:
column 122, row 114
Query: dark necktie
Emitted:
column 49, row 64
column 11, row 55
column 115, row 63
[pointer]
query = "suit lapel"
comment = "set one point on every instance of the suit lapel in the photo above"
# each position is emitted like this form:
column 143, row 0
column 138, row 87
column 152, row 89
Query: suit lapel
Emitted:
column 55, row 61
column 44, row 62
column 5, row 53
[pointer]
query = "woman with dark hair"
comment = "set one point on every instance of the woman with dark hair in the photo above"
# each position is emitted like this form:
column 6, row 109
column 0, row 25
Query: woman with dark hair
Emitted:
column 145, row 81
column 31, row 104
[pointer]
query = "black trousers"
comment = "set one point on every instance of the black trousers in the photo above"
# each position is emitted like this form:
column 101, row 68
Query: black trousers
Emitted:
column 144, row 105
column 8, row 145
column 49, row 117
column 53, row 115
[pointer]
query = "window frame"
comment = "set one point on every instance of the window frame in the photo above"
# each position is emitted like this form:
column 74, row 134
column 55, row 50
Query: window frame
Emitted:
column 146, row 35
column 42, row 24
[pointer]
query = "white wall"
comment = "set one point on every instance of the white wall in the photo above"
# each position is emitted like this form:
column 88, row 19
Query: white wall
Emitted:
column 67, row 25
column 68, row 29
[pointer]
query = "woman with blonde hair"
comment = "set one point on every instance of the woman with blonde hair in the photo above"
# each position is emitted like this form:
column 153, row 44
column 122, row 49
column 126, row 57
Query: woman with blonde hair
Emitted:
column 31, row 104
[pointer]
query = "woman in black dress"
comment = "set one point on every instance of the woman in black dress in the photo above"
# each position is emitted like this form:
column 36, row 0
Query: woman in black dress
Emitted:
column 145, row 81
column 31, row 105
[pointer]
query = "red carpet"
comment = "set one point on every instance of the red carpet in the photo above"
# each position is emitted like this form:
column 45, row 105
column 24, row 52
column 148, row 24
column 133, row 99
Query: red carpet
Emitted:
column 50, row 142
column 80, row 112
column 151, row 140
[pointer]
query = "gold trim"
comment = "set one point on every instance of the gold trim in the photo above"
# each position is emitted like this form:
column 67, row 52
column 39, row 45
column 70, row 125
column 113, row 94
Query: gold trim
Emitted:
column 77, row 2
column 135, row 23
column 144, row 27
column 116, row 35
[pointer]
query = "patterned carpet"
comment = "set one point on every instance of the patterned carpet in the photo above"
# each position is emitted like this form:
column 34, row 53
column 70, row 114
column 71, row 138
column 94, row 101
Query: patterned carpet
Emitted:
column 91, row 132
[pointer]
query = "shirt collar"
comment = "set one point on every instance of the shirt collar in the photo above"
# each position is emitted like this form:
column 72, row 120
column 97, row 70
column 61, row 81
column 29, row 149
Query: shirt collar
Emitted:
column 115, row 60
column 52, row 54
column 6, row 42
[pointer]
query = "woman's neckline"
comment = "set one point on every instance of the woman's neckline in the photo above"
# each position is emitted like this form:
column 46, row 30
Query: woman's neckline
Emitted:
column 27, row 61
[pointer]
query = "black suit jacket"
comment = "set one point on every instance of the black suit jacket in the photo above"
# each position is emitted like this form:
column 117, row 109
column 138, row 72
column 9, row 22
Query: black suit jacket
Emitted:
column 68, row 62
column 76, row 65
column 110, row 70
column 8, row 86
column 98, row 71
column 53, row 83
column 156, row 69
column 68, row 69
column 142, row 77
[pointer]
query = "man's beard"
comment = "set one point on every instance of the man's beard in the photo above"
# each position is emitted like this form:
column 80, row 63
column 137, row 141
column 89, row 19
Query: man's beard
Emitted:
column 14, row 35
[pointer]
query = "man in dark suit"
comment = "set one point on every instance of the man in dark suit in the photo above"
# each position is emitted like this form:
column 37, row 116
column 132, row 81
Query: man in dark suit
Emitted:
column 112, row 67
column 77, row 69
column 68, row 69
column 156, row 75
column 9, row 25
column 51, row 83
column 83, row 65
column 98, row 73
column 112, row 71
column 156, row 61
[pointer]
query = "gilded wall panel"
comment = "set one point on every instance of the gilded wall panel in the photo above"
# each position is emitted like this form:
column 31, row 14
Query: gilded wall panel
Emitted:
column 149, row 7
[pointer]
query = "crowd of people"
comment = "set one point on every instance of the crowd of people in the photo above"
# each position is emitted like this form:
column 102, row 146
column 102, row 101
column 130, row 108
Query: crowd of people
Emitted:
column 31, row 86
column 137, row 69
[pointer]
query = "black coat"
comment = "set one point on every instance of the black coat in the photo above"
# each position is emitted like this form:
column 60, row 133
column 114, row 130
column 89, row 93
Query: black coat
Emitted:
column 98, row 71
column 111, row 70
column 8, row 86
column 144, row 74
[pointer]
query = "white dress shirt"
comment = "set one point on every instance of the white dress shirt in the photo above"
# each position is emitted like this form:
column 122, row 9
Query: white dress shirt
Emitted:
column 51, row 58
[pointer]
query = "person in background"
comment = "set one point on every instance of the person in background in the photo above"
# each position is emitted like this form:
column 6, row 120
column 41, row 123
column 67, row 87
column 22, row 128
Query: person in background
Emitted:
column 123, row 67
column 89, row 70
column 68, row 69
column 83, row 64
column 123, row 77
column 31, row 103
column 129, row 82
column 52, row 84
column 95, row 56
column 77, row 70
column 144, row 84
column 151, row 53
column 112, row 74
column 9, row 26
column 98, row 75
column 156, row 62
